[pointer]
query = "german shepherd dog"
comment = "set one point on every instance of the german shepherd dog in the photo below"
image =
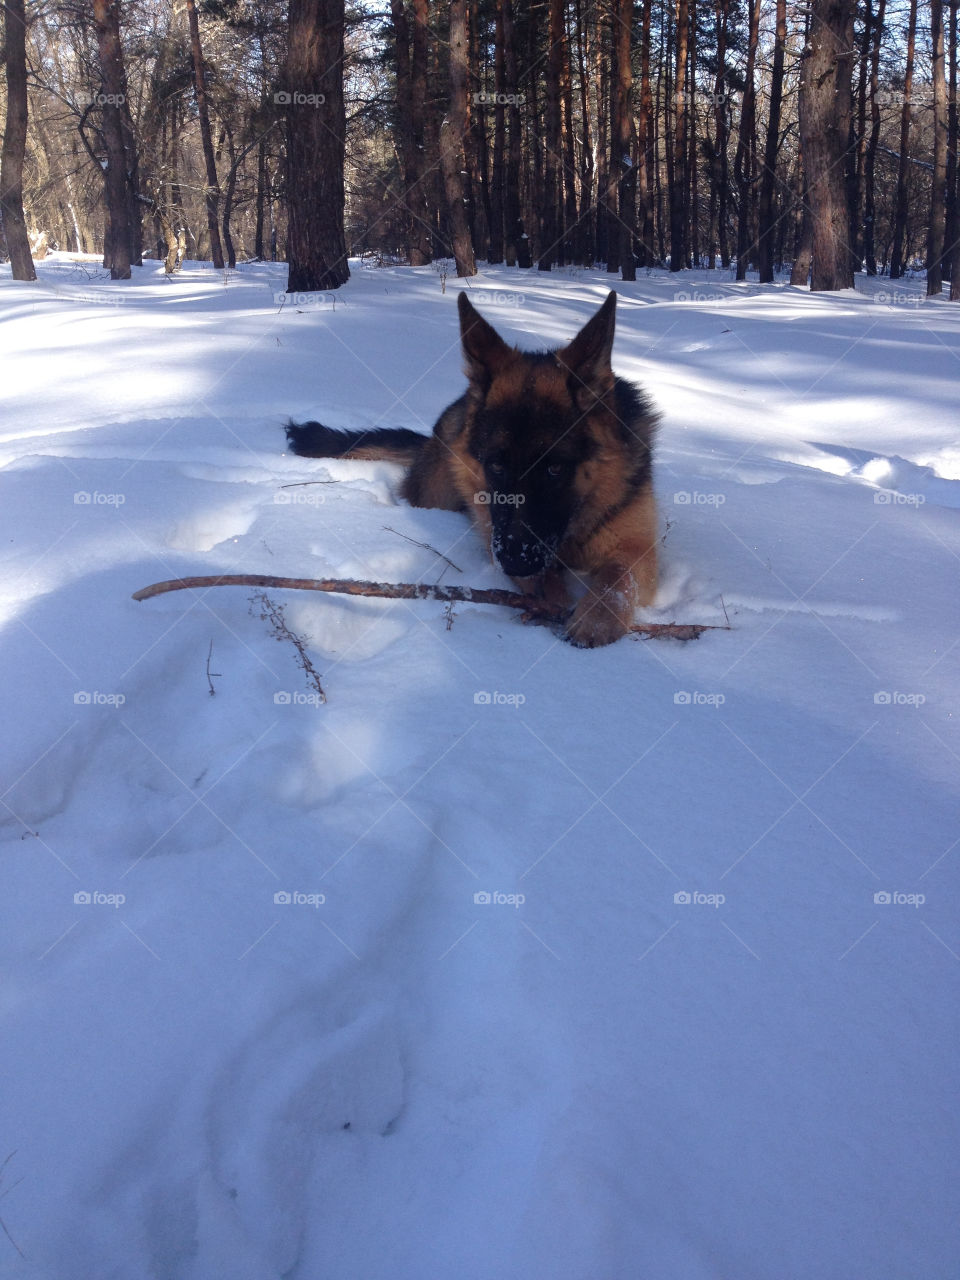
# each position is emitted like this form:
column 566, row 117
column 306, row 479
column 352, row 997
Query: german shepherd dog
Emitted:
column 550, row 453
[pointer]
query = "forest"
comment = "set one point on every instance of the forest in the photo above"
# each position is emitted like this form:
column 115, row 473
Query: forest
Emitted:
column 759, row 136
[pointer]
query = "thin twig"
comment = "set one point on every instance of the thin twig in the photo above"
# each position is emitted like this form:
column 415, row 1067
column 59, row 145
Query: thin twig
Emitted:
column 426, row 546
column 537, row 610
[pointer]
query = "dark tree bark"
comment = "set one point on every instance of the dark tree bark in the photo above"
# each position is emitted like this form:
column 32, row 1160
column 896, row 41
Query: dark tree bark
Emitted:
column 745, row 162
column 316, row 132
column 679, row 184
column 517, row 248
column 14, row 143
column 870, row 158
column 498, row 176
column 693, row 199
column 212, row 192
column 721, row 163
column 585, row 244
column 118, row 238
column 569, row 206
column 771, row 150
column 452, row 133
column 623, row 131
column 952, row 254
column 550, row 208
column 937, row 229
column 420, row 248
column 825, row 105
column 900, row 217
column 646, row 145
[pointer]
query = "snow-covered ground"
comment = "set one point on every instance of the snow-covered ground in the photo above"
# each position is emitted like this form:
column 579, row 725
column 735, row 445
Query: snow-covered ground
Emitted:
column 706, row 1027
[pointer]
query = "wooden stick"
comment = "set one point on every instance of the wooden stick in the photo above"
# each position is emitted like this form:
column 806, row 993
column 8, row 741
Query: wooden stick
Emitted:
column 532, row 605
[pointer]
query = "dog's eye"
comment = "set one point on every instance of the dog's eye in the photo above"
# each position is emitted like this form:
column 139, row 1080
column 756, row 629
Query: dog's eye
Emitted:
column 496, row 468
column 555, row 469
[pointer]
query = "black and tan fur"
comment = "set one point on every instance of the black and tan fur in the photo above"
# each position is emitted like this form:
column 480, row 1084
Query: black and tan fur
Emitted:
column 550, row 453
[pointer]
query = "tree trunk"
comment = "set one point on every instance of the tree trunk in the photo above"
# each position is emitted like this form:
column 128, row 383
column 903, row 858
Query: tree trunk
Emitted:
column 517, row 249
column 316, row 133
column 646, row 145
column 212, row 192
column 498, row 176
column 421, row 236
column 900, row 217
column 721, row 120
column 14, row 144
column 952, row 256
column 625, row 160
column 679, row 183
column 937, row 229
column 767, row 184
column 870, row 159
column 117, row 254
column 451, row 142
column 745, row 163
column 549, row 219
column 825, row 105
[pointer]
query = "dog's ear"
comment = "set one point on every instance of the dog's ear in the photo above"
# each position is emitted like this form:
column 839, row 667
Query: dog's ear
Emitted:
column 484, row 351
column 587, row 358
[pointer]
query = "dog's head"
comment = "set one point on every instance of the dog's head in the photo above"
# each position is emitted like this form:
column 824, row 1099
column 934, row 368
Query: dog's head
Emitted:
column 532, row 431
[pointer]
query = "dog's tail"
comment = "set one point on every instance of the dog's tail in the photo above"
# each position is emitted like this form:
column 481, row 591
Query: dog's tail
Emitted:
column 384, row 444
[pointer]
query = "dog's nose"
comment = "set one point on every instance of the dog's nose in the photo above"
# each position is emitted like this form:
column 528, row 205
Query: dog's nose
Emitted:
column 519, row 558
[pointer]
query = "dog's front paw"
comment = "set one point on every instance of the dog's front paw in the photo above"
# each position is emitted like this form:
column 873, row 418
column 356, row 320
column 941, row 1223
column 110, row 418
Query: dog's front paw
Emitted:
column 598, row 620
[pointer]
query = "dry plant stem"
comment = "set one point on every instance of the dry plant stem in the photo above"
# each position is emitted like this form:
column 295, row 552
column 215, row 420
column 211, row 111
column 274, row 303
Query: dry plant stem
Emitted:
column 273, row 614
column 536, row 608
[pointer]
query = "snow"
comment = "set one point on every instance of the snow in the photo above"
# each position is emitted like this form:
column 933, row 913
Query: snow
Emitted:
column 683, row 1038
